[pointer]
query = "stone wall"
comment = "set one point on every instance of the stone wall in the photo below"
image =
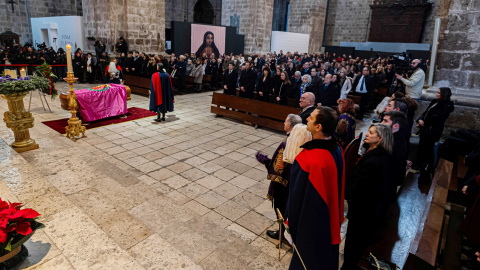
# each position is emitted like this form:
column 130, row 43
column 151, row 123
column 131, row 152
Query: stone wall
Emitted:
column 141, row 23
column 308, row 17
column 255, row 22
column 19, row 22
column 347, row 20
column 458, row 66
column 175, row 10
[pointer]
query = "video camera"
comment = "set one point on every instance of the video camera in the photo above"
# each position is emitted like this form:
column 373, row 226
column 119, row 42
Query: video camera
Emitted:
column 400, row 62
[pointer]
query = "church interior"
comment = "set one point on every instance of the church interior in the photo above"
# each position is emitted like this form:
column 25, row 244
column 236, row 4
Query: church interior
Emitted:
column 236, row 134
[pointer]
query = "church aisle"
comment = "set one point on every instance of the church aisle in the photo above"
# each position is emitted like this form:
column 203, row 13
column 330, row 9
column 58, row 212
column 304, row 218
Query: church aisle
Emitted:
column 185, row 193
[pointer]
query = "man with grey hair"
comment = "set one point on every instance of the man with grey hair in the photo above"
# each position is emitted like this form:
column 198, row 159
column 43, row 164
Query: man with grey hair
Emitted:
column 279, row 173
column 327, row 94
column 296, row 83
column 190, row 67
column 181, row 68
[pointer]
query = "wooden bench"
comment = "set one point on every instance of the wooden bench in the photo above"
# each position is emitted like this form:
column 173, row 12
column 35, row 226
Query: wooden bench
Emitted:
column 257, row 112
column 411, row 234
column 138, row 85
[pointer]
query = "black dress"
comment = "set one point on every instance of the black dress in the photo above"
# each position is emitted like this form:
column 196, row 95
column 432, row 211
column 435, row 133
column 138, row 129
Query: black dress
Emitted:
column 265, row 85
column 282, row 90
column 434, row 122
column 79, row 67
column 367, row 202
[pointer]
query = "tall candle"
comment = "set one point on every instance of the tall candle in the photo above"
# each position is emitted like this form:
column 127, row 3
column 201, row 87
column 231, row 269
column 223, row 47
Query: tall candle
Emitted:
column 13, row 74
column 23, row 73
column 69, row 58
column 7, row 72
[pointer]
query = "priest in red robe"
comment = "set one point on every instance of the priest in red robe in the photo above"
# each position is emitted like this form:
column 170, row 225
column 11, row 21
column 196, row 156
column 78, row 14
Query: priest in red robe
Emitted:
column 161, row 93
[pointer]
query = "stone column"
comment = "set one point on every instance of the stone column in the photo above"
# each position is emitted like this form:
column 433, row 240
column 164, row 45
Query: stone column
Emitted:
column 254, row 19
column 141, row 23
column 458, row 66
column 308, row 17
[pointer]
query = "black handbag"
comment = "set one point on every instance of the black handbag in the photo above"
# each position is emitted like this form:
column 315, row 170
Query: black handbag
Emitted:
column 380, row 264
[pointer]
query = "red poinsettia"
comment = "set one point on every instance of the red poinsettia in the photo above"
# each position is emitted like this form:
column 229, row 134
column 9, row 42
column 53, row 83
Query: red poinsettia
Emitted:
column 14, row 220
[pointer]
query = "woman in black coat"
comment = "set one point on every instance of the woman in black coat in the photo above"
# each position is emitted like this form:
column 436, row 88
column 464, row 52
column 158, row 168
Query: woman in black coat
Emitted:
column 265, row 86
column 431, row 124
column 282, row 89
column 366, row 193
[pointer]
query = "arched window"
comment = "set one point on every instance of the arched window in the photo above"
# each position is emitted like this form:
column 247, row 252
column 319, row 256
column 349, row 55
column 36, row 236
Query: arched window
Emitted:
column 203, row 12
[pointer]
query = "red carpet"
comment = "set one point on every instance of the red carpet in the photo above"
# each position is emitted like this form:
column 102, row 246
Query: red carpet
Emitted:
column 134, row 113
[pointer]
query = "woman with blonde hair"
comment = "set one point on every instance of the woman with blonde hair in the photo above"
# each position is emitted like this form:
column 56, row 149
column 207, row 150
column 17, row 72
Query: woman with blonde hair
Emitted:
column 367, row 193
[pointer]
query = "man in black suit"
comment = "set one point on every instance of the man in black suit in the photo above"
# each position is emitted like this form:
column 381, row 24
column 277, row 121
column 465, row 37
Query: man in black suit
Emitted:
column 296, row 83
column 397, row 120
column 363, row 86
column 181, row 69
column 260, row 63
column 247, row 81
column 137, row 63
column 129, row 63
column 316, row 81
column 306, row 69
column 307, row 102
column 327, row 94
column 230, row 80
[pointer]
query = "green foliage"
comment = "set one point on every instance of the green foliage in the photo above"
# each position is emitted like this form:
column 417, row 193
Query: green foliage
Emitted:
column 10, row 87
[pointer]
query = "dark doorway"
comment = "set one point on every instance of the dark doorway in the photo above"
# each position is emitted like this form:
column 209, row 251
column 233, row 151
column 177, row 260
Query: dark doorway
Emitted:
column 203, row 12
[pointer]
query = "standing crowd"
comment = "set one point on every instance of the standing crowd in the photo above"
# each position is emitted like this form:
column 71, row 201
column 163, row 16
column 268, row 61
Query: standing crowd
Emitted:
column 307, row 171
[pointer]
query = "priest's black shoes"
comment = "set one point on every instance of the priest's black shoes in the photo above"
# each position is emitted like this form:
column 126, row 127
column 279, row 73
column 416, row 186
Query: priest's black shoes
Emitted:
column 273, row 234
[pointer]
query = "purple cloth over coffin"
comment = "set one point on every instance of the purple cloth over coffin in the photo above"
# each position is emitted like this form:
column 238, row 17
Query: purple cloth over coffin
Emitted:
column 102, row 101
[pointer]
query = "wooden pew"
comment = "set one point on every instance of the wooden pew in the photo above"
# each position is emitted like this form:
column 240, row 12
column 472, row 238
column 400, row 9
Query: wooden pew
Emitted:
column 138, row 85
column 259, row 113
column 141, row 85
column 411, row 234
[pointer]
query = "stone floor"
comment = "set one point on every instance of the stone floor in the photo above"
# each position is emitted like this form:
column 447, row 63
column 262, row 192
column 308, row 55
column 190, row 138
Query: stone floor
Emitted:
column 185, row 193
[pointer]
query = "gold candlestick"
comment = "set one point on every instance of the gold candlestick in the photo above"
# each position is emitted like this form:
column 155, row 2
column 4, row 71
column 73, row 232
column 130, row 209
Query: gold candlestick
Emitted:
column 19, row 121
column 74, row 127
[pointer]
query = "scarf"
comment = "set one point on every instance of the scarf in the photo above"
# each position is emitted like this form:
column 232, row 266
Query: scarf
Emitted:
column 89, row 65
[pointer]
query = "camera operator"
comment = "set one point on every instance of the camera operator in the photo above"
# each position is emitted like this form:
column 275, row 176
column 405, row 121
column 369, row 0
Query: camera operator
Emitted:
column 414, row 84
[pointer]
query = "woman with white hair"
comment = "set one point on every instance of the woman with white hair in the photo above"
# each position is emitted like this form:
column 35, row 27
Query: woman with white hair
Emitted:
column 279, row 170
column 306, row 85
column 298, row 137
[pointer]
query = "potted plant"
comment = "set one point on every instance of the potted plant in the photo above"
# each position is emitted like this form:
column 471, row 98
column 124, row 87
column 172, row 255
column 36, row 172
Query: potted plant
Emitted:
column 16, row 227
column 14, row 90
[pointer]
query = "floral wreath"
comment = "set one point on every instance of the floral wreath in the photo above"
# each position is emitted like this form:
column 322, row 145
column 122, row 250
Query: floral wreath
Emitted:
column 100, row 88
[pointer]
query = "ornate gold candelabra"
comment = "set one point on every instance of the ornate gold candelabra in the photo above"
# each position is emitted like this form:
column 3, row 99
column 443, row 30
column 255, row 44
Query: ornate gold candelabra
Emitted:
column 74, row 127
column 19, row 121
